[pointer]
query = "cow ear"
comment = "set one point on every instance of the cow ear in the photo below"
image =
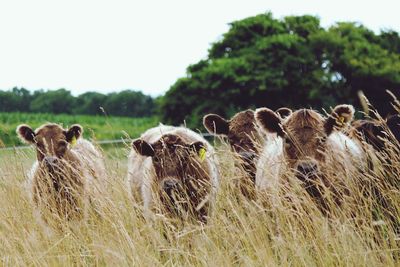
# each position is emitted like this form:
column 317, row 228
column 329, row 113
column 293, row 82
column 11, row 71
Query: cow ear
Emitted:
column 284, row 112
column 200, row 149
column 340, row 116
column 269, row 121
column 215, row 124
column 196, row 146
column 143, row 148
column 73, row 133
column 26, row 134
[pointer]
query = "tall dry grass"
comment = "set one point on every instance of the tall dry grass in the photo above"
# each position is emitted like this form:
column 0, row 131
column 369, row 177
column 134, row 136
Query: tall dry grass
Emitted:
column 293, row 232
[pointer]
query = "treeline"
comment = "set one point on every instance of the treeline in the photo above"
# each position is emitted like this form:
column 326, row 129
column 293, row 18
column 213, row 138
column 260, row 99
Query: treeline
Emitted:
column 294, row 62
column 124, row 103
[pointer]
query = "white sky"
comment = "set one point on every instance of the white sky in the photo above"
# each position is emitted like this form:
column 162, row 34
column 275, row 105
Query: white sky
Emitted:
column 94, row 45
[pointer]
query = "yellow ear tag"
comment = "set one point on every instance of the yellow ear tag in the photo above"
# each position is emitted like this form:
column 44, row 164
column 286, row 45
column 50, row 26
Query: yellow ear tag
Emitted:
column 341, row 120
column 202, row 154
column 73, row 141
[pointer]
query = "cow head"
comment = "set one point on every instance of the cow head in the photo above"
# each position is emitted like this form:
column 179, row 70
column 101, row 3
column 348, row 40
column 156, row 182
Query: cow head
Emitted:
column 304, row 134
column 178, row 167
column 240, row 130
column 51, row 141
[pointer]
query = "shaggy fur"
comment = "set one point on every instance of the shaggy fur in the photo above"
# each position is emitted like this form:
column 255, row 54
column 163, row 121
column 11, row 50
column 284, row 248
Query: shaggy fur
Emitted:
column 164, row 165
column 245, row 139
column 309, row 145
column 374, row 132
column 62, row 176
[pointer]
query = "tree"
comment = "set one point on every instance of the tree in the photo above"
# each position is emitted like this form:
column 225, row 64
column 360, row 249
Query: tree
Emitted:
column 57, row 101
column 129, row 103
column 90, row 103
column 124, row 103
column 262, row 61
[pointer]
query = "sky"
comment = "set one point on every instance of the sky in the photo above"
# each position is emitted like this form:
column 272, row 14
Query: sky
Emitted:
column 106, row 46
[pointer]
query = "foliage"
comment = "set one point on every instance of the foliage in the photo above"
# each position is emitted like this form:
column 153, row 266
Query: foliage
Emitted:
column 262, row 61
column 124, row 103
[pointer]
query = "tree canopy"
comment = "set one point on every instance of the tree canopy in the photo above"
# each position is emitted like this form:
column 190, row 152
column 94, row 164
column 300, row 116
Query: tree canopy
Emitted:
column 124, row 103
column 294, row 62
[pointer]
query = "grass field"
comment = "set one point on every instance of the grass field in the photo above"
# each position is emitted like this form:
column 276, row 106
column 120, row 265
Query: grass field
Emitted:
column 97, row 127
column 240, row 232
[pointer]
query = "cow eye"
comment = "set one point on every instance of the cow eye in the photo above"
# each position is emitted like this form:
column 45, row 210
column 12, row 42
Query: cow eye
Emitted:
column 156, row 160
column 40, row 146
column 321, row 140
column 288, row 142
column 62, row 143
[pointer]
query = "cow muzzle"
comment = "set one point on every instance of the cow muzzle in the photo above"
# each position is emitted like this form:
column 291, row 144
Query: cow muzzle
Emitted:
column 169, row 186
column 307, row 169
column 51, row 162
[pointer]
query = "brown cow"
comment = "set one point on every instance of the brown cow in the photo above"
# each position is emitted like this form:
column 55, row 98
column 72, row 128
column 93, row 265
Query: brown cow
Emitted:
column 309, row 145
column 380, row 141
column 66, row 166
column 245, row 139
column 175, row 166
column 375, row 132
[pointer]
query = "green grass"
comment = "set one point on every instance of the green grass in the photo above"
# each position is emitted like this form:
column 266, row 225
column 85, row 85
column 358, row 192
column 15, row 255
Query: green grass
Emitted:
column 97, row 127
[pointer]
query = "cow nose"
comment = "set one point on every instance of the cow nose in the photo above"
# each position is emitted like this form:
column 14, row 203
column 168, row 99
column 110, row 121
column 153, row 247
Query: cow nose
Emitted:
column 307, row 168
column 50, row 161
column 169, row 185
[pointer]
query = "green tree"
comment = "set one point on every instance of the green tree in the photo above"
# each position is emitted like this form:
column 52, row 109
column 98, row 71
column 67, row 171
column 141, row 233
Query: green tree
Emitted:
column 90, row 103
column 262, row 61
column 57, row 101
column 129, row 103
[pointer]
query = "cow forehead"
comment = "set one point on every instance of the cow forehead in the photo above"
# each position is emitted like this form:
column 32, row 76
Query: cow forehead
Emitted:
column 168, row 144
column 242, row 122
column 168, row 139
column 305, row 119
column 51, row 131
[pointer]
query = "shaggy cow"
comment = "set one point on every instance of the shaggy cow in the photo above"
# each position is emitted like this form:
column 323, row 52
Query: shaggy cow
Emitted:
column 245, row 139
column 174, row 166
column 64, row 170
column 309, row 145
column 375, row 132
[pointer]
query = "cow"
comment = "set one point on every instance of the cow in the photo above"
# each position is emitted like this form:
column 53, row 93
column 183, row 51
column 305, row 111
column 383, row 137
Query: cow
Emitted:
column 173, row 169
column 64, row 172
column 375, row 133
column 380, row 142
column 309, row 146
column 245, row 139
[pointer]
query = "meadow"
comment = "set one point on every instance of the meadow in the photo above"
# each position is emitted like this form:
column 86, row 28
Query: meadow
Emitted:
column 101, row 127
column 240, row 231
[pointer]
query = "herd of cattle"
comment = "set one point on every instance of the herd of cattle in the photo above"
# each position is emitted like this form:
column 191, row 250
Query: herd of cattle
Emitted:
column 177, row 171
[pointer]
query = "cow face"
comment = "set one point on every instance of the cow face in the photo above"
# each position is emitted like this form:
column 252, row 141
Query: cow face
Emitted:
column 240, row 130
column 178, row 167
column 51, row 141
column 304, row 133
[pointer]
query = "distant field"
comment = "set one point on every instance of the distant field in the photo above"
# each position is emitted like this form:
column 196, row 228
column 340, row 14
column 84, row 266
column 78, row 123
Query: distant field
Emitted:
column 98, row 127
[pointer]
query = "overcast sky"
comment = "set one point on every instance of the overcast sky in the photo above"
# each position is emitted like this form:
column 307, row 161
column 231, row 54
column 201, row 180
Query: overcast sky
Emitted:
column 95, row 45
